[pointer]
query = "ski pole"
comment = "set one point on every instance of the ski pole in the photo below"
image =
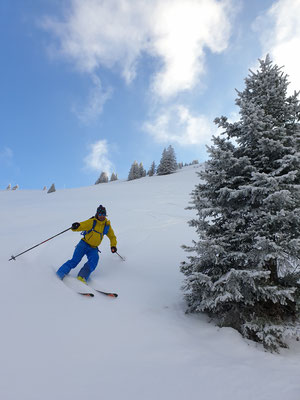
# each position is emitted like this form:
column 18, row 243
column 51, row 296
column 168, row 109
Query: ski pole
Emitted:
column 123, row 258
column 14, row 257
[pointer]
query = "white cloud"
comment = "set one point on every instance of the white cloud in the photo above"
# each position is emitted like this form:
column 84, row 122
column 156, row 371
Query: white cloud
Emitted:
column 176, row 124
column 105, row 33
column 95, row 102
column 115, row 33
column 97, row 159
column 182, row 30
column 279, row 29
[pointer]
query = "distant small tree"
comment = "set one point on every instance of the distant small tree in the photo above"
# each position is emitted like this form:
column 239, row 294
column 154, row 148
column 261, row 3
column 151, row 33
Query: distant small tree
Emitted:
column 103, row 178
column 180, row 165
column 52, row 188
column 142, row 170
column 168, row 163
column 152, row 169
column 194, row 162
column 15, row 187
column 44, row 188
column 114, row 177
column 8, row 187
column 134, row 172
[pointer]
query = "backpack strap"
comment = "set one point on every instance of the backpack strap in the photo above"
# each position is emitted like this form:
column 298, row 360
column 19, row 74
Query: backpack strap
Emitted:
column 105, row 230
column 83, row 233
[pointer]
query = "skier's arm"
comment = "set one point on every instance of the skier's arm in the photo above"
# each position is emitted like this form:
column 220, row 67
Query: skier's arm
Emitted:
column 83, row 226
column 112, row 237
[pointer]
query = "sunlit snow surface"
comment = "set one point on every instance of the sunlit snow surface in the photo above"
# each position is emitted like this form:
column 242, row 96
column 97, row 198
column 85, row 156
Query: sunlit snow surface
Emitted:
column 56, row 344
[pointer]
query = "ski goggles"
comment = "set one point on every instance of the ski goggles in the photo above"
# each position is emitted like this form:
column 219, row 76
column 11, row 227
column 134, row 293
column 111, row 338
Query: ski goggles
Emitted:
column 102, row 213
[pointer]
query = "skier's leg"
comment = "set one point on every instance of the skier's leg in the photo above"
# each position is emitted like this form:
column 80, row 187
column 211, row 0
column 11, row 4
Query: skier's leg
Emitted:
column 79, row 252
column 90, row 265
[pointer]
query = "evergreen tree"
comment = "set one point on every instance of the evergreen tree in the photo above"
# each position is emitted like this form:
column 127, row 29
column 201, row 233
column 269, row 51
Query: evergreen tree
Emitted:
column 8, row 187
column 142, row 171
column 15, row 187
column 168, row 163
column 103, row 178
column 114, row 177
column 52, row 188
column 152, row 169
column 248, row 218
column 134, row 172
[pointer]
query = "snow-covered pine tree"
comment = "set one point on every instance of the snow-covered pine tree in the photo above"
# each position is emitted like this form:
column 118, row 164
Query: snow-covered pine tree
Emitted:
column 248, row 216
column 114, row 177
column 168, row 163
column 134, row 172
column 52, row 188
column 15, row 187
column 142, row 170
column 161, row 165
column 8, row 187
column 103, row 178
column 152, row 169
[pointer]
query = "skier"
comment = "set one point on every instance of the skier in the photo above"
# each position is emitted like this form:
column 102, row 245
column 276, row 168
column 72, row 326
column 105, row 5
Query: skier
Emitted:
column 93, row 231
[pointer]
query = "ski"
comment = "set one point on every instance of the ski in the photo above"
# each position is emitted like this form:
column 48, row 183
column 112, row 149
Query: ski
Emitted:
column 86, row 294
column 82, row 291
column 109, row 294
column 106, row 293
column 78, row 291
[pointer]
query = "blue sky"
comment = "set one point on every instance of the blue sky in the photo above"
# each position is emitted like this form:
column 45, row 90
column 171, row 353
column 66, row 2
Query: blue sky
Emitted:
column 91, row 86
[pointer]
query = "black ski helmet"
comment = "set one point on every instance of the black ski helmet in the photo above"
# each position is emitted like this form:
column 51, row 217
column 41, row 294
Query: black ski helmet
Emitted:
column 101, row 210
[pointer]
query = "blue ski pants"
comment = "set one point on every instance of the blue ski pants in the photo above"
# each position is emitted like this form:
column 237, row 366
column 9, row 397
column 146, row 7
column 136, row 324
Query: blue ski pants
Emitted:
column 81, row 250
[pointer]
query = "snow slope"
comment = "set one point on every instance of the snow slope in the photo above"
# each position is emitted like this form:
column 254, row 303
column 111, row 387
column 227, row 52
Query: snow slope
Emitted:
column 56, row 344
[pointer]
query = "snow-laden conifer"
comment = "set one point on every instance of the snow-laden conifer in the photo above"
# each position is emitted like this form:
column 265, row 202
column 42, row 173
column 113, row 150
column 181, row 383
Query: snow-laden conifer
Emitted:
column 52, row 188
column 15, row 187
column 142, row 171
column 103, row 178
column 114, row 177
column 134, row 172
column 168, row 163
column 8, row 187
column 244, row 270
column 152, row 169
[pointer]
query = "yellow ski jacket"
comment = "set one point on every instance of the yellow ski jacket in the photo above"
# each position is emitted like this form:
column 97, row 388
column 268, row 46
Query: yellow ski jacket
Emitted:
column 94, row 230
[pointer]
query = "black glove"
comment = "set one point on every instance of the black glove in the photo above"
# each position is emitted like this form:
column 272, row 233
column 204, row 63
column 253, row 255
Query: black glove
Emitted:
column 75, row 225
column 113, row 249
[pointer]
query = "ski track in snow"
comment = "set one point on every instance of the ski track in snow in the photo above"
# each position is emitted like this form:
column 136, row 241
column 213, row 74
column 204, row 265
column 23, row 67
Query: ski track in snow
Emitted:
column 56, row 344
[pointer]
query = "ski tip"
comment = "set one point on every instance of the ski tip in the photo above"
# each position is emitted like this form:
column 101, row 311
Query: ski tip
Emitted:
column 107, row 294
column 87, row 294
